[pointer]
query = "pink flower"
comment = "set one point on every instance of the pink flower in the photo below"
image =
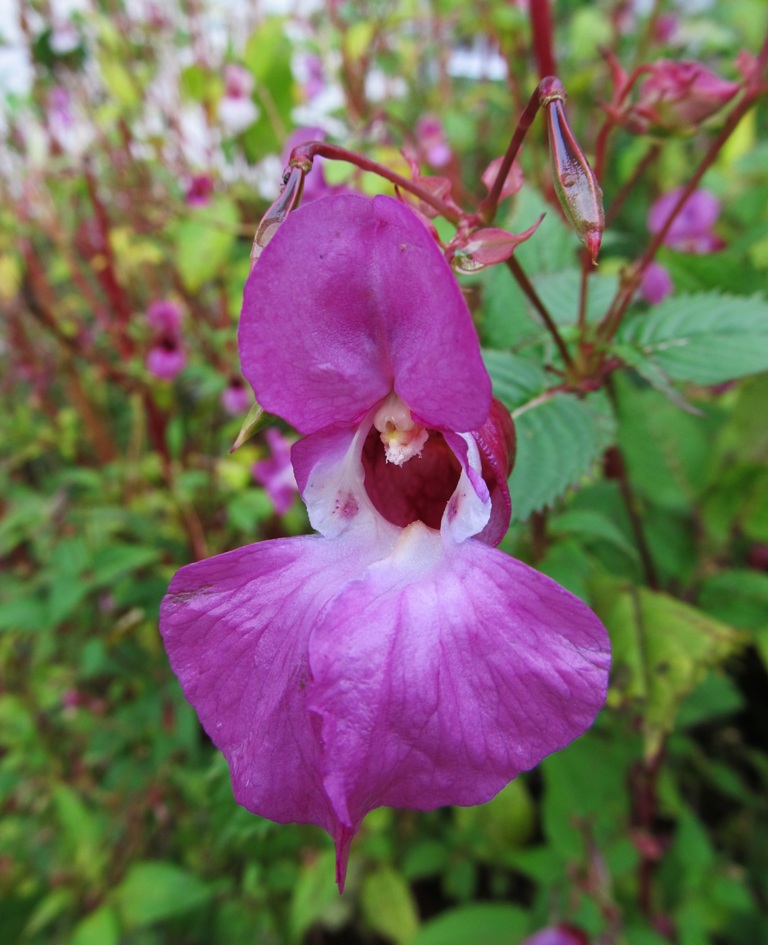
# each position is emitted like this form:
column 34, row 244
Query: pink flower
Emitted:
column 558, row 935
column 678, row 96
column 432, row 141
column 166, row 356
column 199, row 190
column 166, row 359
column 397, row 657
column 235, row 398
column 656, row 284
column 164, row 317
column 691, row 230
column 237, row 110
column 276, row 473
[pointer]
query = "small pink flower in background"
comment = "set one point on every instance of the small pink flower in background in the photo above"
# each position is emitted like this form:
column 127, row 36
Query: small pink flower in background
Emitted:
column 235, row 398
column 164, row 317
column 656, row 284
column 397, row 658
column 513, row 182
column 166, row 359
column 276, row 473
column 665, row 27
column 314, row 77
column 558, row 935
column 60, row 107
column 237, row 110
column 64, row 38
column 199, row 190
column 431, row 141
column 678, row 96
column 691, row 231
column 166, row 356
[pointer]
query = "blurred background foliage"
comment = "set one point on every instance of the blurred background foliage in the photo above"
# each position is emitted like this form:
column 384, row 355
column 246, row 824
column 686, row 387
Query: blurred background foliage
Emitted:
column 142, row 142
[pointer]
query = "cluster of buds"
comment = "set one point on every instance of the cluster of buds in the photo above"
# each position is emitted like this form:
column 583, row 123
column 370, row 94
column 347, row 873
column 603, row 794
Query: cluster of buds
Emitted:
column 675, row 97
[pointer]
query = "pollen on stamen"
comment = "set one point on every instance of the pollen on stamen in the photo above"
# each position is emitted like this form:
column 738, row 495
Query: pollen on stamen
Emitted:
column 402, row 437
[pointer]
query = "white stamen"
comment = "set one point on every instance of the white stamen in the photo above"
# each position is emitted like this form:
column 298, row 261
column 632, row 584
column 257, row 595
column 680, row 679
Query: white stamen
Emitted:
column 402, row 438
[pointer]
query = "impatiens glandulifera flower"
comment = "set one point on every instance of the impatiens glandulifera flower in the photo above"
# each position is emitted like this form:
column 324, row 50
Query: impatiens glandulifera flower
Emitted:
column 656, row 284
column 691, row 230
column 558, row 935
column 276, row 472
column 576, row 186
column 235, row 398
column 678, row 96
column 199, row 190
column 166, row 357
column 237, row 110
column 513, row 181
column 432, row 143
column 397, row 658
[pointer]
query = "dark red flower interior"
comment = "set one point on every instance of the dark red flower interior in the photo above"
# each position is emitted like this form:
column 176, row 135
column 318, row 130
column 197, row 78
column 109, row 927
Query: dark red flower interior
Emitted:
column 418, row 490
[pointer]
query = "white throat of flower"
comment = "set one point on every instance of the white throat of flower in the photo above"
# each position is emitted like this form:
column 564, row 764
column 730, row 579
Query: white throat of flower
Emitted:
column 402, row 437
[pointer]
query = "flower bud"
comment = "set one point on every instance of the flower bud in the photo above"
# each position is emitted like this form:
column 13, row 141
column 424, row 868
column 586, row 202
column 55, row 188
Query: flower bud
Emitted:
column 575, row 183
column 487, row 247
column 288, row 200
column 678, row 96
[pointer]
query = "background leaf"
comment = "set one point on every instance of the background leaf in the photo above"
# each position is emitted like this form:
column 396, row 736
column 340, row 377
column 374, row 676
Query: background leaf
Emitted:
column 707, row 338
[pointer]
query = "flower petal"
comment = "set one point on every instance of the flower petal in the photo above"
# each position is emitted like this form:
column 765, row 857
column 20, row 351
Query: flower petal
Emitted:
column 462, row 667
column 350, row 300
column 236, row 628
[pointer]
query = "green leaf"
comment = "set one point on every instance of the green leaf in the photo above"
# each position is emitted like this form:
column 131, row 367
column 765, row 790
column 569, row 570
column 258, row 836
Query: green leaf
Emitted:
column 592, row 526
column 560, row 293
column 662, row 649
column 204, row 242
column 558, row 442
column 316, row 898
column 388, row 905
column 98, row 928
column 489, row 923
column 516, row 380
column 707, row 338
column 156, row 890
column 559, row 436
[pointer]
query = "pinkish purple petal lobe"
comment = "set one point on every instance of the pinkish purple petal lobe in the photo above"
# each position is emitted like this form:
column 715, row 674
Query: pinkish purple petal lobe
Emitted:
column 236, row 628
column 351, row 299
column 462, row 667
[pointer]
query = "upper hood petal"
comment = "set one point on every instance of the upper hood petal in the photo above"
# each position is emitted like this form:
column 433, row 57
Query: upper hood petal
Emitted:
column 350, row 300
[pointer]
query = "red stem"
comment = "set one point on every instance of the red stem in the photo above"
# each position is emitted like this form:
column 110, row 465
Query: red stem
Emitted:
column 306, row 152
column 541, row 28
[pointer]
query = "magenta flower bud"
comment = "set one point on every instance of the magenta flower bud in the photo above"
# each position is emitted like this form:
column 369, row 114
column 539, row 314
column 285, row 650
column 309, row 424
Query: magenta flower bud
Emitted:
column 575, row 183
column 487, row 247
column 678, row 96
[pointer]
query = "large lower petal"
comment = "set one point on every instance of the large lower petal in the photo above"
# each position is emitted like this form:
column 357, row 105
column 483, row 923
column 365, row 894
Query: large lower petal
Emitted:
column 350, row 300
column 236, row 628
column 446, row 671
